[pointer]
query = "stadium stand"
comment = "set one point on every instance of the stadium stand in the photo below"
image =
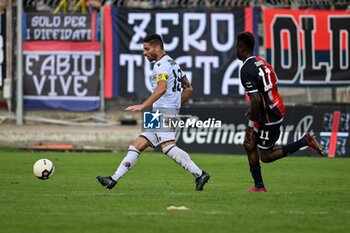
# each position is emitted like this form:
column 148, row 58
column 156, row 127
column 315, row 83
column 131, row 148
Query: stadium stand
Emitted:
column 50, row 5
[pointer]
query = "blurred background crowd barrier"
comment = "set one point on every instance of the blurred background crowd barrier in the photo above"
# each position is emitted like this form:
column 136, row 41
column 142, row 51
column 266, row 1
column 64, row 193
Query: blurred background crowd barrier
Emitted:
column 73, row 5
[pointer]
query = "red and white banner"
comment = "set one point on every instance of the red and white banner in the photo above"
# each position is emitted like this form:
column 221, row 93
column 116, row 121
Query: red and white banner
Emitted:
column 308, row 47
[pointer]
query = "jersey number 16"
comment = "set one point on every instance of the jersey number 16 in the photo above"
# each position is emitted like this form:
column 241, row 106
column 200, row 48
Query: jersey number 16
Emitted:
column 177, row 80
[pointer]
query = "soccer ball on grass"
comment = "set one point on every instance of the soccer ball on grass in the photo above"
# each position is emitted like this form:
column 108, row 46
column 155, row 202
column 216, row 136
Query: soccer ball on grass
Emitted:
column 43, row 169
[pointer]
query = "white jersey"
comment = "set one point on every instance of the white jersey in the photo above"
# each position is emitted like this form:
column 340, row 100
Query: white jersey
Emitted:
column 167, row 69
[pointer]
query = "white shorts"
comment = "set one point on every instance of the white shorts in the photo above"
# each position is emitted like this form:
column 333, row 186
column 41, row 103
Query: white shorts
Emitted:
column 156, row 138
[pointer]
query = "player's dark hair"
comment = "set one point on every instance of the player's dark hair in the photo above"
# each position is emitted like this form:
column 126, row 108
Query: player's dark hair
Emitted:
column 246, row 40
column 154, row 39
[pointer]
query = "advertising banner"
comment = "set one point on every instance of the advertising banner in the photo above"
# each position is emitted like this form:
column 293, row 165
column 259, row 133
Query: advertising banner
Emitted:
column 2, row 48
column 61, row 75
column 61, row 27
column 335, row 128
column 201, row 41
column 331, row 125
column 308, row 47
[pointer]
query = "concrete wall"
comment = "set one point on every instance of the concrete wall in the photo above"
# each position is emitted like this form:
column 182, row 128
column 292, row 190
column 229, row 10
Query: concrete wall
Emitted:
column 2, row 4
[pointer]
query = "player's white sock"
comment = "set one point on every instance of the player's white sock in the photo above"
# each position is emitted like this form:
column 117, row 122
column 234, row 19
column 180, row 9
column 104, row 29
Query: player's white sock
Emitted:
column 128, row 162
column 182, row 158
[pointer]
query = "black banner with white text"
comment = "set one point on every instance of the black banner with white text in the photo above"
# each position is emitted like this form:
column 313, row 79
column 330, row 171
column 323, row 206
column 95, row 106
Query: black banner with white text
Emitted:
column 202, row 42
column 331, row 125
column 61, row 75
column 60, row 27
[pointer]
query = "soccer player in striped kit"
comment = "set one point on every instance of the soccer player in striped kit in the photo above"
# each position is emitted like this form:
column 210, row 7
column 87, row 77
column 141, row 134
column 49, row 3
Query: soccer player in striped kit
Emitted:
column 265, row 114
column 171, row 90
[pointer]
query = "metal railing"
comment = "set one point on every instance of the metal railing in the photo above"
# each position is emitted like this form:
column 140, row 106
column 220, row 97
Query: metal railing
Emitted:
column 55, row 6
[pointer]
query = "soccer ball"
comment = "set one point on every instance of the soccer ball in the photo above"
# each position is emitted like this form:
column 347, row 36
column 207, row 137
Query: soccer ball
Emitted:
column 43, row 169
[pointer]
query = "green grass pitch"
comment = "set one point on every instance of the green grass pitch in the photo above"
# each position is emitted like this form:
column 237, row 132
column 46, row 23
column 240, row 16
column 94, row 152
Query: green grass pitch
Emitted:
column 304, row 195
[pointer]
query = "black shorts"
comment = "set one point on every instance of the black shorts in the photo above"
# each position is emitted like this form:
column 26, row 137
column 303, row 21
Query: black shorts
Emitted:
column 267, row 135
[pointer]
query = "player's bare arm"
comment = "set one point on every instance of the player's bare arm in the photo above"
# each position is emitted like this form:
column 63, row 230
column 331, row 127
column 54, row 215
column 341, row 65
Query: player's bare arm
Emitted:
column 157, row 93
column 253, row 114
column 250, row 138
column 187, row 90
column 255, row 101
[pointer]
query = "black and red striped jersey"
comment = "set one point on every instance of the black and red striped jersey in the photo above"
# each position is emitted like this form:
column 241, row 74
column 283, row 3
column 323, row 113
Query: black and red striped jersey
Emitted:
column 257, row 75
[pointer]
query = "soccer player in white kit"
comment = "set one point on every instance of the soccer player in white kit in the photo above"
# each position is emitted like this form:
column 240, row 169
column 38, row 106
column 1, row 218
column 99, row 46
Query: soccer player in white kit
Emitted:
column 170, row 90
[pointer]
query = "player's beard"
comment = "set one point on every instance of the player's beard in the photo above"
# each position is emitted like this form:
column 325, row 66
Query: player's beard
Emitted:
column 152, row 57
